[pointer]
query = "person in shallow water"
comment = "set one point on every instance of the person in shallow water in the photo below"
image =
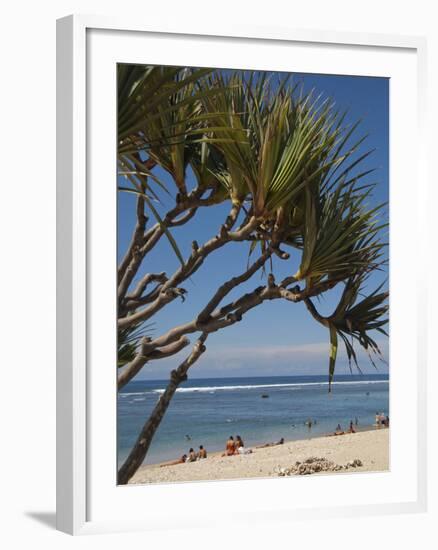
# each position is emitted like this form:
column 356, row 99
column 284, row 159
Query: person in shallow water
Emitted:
column 352, row 430
column 202, row 453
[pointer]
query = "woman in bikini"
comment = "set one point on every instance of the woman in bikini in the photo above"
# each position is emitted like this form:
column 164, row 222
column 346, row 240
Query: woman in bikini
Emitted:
column 238, row 444
column 230, row 447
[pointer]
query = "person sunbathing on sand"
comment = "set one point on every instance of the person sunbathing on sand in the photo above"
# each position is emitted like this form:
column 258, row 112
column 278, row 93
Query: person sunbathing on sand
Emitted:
column 338, row 430
column 179, row 461
column 271, row 444
column 202, row 453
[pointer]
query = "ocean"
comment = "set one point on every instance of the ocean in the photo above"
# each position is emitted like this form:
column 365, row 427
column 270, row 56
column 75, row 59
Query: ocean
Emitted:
column 207, row 411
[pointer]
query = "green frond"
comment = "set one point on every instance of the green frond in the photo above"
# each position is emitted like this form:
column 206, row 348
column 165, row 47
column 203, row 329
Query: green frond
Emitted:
column 341, row 234
column 354, row 319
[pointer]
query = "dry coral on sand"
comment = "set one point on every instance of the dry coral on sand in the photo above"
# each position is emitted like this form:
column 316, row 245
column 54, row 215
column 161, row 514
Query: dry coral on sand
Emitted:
column 313, row 465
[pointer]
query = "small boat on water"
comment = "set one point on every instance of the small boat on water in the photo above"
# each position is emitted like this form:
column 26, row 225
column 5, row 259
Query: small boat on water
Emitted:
column 265, row 395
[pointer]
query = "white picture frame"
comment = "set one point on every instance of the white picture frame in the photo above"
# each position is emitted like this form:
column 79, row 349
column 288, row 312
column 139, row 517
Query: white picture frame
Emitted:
column 81, row 486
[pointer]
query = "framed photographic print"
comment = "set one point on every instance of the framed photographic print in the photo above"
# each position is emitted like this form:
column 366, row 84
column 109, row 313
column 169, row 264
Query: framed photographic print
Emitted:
column 238, row 323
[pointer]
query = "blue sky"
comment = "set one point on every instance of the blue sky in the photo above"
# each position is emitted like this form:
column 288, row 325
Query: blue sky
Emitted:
column 277, row 337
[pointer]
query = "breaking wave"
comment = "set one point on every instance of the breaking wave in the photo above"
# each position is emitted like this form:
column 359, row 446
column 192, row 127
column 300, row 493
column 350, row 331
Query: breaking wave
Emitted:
column 213, row 389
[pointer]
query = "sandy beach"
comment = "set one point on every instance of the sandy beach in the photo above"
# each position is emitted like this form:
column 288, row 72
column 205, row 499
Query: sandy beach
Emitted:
column 370, row 447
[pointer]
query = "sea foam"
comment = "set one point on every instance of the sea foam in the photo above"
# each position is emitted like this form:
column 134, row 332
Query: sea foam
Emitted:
column 213, row 389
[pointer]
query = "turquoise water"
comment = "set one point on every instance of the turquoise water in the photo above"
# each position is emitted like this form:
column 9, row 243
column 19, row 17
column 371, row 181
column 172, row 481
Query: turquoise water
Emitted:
column 206, row 412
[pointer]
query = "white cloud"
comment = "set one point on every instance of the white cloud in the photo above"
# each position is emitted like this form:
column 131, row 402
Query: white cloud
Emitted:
column 310, row 358
column 269, row 351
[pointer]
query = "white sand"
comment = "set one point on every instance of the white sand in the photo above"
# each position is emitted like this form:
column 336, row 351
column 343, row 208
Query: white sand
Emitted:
column 371, row 447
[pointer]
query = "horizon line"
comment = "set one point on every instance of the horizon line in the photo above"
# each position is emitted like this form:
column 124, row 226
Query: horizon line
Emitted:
column 359, row 375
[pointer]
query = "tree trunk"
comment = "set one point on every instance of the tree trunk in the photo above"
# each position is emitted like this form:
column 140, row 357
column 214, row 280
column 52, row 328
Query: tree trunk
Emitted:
column 141, row 447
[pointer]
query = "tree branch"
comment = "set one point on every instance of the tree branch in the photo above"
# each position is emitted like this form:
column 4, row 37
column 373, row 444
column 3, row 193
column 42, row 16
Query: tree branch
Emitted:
column 137, row 238
column 128, row 304
column 233, row 312
column 170, row 290
column 138, row 234
column 142, row 242
column 134, row 367
column 227, row 287
column 223, row 317
column 144, row 282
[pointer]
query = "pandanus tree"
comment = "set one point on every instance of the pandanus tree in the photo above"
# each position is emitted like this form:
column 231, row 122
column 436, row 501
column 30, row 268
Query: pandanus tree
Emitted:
column 288, row 168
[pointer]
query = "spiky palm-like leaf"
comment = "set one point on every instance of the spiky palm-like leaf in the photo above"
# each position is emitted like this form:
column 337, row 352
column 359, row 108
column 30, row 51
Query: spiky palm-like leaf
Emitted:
column 166, row 117
column 208, row 167
column 285, row 142
column 147, row 94
column 354, row 319
column 341, row 234
column 157, row 107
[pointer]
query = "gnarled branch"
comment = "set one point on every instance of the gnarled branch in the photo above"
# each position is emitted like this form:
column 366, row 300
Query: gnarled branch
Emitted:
column 134, row 367
column 199, row 253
